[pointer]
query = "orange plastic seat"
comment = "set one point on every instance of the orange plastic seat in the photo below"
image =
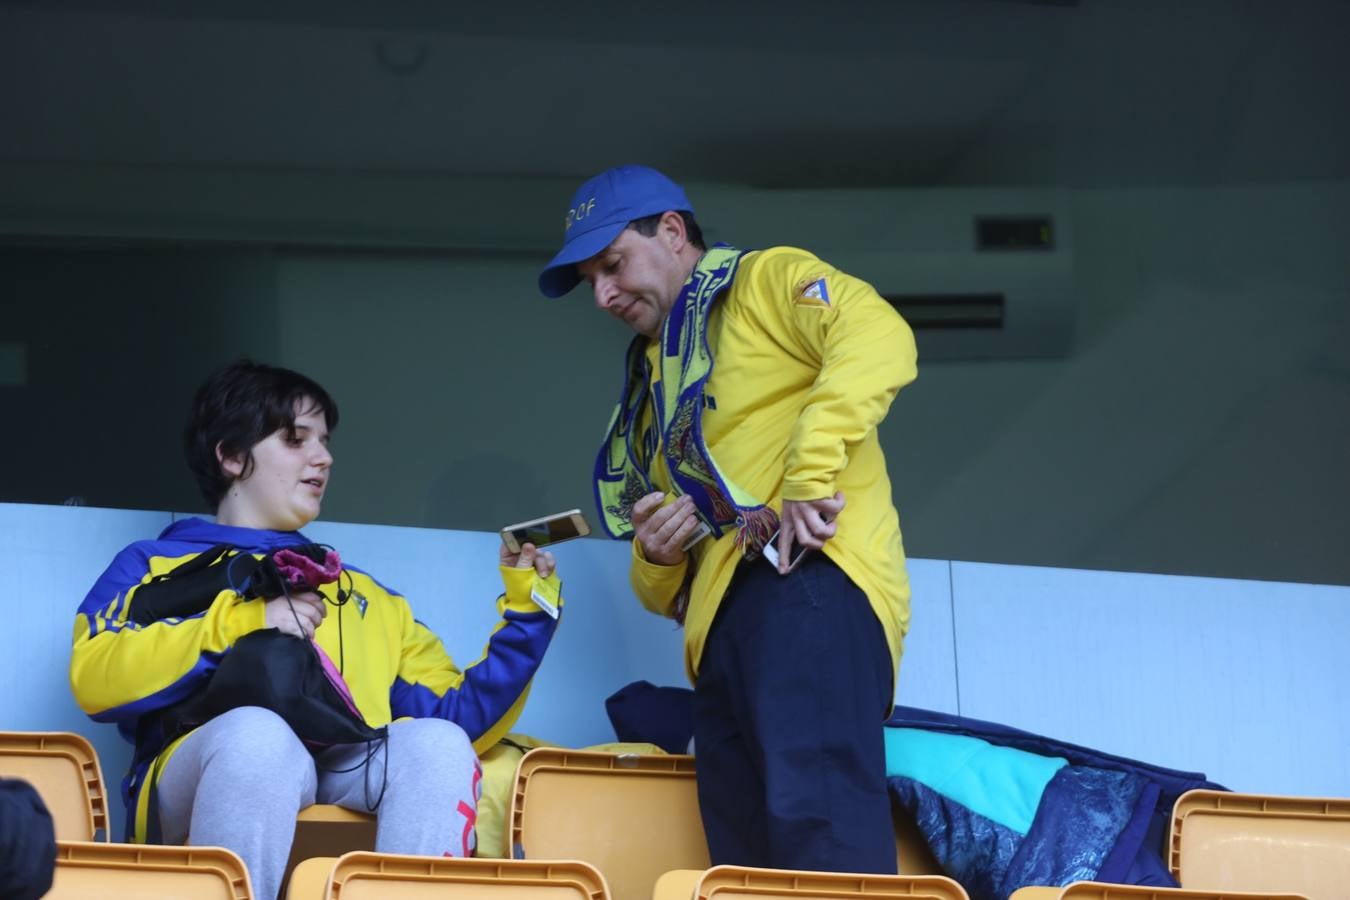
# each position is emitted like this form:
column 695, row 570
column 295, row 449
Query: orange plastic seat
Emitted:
column 64, row 770
column 744, row 883
column 325, row 830
column 1261, row 842
column 93, row 870
column 633, row 817
column 677, row 884
column 388, row 876
column 309, row 878
column 1092, row 890
column 1228, row 844
column 912, row 855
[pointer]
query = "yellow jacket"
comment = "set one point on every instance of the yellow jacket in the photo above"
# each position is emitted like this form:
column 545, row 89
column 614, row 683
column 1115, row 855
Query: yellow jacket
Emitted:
column 806, row 362
column 126, row 672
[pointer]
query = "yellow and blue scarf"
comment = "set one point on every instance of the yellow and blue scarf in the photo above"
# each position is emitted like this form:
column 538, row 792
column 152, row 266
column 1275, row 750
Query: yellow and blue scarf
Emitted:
column 622, row 469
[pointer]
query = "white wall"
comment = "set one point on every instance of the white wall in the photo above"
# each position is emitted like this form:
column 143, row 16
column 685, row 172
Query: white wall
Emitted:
column 1241, row 680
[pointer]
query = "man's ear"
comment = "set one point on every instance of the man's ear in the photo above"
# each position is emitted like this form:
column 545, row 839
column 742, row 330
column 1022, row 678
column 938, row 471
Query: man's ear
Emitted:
column 233, row 466
column 671, row 227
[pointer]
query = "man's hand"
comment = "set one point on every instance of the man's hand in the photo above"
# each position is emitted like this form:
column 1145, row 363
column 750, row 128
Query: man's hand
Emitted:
column 807, row 523
column 662, row 530
column 529, row 555
column 309, row 610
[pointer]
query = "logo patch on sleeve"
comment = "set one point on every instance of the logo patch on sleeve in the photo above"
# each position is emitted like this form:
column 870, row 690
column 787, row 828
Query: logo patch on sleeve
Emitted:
column 814, row 293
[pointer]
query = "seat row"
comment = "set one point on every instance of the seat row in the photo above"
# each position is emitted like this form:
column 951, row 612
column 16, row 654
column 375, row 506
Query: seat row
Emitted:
column 626, row 827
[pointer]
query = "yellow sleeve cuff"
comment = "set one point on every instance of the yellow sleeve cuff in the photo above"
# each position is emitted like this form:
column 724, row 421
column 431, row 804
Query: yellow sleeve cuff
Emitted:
column 520, row 584
column 655, row 573
column 655, row 585
column 799, row 491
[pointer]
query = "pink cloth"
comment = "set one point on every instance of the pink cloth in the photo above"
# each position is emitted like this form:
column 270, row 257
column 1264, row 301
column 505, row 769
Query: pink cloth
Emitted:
column 298, row 569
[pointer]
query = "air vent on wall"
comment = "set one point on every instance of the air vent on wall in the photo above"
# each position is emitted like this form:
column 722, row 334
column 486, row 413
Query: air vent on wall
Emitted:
column 950, row 311
column 1014, row 233
column 979, row 273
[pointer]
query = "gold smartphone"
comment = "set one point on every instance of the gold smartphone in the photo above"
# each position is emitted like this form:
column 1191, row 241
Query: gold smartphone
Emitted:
column 547, row 530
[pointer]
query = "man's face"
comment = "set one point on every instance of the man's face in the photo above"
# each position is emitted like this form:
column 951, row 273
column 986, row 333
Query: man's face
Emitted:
column 637, row 279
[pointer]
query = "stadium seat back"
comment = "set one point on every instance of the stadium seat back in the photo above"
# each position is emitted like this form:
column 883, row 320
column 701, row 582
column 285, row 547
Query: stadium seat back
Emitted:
column 633, row 817
column 1261, row 842
column 64, row 769
column 387, row 876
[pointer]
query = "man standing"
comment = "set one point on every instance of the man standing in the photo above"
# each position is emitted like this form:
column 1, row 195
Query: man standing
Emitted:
column 755, row 384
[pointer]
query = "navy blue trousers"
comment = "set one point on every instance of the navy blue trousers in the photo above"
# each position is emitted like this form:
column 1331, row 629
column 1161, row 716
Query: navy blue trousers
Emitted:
column 793, row 686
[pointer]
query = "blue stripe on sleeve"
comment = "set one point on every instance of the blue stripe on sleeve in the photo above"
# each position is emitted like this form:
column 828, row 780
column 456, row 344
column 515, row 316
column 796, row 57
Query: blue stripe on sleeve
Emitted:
column 491, row 686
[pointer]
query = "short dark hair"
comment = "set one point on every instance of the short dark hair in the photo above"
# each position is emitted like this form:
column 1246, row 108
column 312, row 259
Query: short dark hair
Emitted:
column 646, row 226
column 237, row 407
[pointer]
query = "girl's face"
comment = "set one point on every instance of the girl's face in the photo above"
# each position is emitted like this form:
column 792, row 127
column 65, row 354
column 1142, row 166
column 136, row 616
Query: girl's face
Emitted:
column 284, row 488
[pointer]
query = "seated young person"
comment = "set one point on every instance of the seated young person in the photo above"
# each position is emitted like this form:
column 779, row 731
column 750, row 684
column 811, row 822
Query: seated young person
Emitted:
column 154, row 639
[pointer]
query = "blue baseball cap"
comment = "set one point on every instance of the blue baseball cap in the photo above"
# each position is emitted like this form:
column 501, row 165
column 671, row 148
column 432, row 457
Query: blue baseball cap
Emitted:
column 600, row 209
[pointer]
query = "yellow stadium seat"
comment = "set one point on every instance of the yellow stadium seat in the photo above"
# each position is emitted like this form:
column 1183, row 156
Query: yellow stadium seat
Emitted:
column 1036, row 892
column 1261, row 842
column 1092, row 890
column 327, row 830
column 309, row 879
column 635, row 817
column 631, row 816
column 64, row 770
column 1229, row 844
column 388, row 876
column 744, row 883
column 912, row 856
column 677, row 884
column 92, row 870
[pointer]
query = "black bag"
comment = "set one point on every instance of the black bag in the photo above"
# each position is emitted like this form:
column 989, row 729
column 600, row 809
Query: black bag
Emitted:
column 193, row 586
column 190, row 588
column 283, row 673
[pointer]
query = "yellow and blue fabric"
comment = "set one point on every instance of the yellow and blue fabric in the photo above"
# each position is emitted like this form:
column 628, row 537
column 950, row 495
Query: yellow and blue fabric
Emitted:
column 1003, row 809
column 685, row 363
column 125, row 672
column 789, row 411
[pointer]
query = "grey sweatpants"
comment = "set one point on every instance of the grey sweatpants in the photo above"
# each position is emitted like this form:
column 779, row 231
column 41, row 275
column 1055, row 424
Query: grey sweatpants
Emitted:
column 239, row 781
